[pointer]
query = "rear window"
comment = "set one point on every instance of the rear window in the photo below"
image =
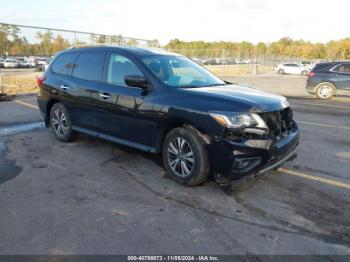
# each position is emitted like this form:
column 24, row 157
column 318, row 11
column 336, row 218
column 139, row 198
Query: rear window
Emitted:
column 89, row 66
column 321, row 66
column 62, row 64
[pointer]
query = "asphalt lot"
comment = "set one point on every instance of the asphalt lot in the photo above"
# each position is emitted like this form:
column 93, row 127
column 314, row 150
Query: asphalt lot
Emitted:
column 95, row 197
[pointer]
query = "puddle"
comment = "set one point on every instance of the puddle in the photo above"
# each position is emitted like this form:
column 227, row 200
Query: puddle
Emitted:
column 8, row 168
column 20, row 128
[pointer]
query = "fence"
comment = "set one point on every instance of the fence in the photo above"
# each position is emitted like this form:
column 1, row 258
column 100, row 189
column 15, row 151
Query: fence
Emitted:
column 225, row 62
column 17, row 38
column 30, row 44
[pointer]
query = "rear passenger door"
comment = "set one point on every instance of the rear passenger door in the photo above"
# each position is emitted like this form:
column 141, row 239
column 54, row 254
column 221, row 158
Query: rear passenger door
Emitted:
column 59, row 78
column 84, row 105
column 342, row 77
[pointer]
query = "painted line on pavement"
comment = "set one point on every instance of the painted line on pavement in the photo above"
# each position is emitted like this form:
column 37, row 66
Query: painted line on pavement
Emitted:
column 323, row 125
column 313, row 104
column 326, row 181
column 26, row 104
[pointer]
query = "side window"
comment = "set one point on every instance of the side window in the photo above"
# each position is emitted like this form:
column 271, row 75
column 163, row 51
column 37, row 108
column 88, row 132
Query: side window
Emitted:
column 89, row 66
column 62, row 64
column 343, row 68
column 119, row 67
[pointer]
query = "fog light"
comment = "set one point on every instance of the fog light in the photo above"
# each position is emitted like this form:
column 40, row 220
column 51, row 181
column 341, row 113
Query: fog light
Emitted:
column 246, row 164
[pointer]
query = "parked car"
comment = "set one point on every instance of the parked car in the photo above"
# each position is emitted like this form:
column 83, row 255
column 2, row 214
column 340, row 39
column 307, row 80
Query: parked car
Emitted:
column 329, row 79
column 2, row 62
column 23, row 63
column 32, row 61
column 49, row 60
column 309, row 65
column 211, row 61
column 293, row 69
column 41, row 63
column 10, row 63
column 162, row 102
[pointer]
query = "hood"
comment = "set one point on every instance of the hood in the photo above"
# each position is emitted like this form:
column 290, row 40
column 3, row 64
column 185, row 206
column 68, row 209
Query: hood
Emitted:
column 242, row 97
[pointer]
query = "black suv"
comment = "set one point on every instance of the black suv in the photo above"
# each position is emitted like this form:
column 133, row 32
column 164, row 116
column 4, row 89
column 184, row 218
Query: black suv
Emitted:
column 329, row 79
column 162, row 102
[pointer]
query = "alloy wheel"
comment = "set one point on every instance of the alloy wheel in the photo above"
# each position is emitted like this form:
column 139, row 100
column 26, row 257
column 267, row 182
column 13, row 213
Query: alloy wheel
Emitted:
column 59, row 123
column 325, row 91
column 180, row 157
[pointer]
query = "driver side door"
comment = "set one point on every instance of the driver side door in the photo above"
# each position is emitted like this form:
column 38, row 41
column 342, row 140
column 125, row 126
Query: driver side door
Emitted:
column 127, row 111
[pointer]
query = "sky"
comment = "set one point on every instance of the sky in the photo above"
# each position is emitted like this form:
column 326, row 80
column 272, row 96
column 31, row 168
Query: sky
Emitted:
column 208, row 20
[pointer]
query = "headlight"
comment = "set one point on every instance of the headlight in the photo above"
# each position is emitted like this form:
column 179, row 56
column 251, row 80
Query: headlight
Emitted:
column 238, row 120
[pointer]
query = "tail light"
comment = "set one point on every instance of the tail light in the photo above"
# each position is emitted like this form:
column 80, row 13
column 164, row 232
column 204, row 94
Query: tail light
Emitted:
column 311, row 74
column 41, row 80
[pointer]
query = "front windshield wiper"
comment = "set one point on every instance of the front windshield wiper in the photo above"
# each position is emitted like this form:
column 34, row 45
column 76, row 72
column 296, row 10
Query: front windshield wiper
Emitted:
column 200, row 86
column 216, row 85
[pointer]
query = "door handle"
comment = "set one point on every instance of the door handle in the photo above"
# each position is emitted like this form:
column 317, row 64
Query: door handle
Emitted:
column 105, row 95
column 64, row 87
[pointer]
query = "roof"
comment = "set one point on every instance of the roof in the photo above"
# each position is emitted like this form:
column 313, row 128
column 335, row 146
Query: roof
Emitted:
column 138, row 51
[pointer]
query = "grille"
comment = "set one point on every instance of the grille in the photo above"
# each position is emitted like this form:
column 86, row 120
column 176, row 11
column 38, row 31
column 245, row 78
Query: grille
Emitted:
column 279, row 122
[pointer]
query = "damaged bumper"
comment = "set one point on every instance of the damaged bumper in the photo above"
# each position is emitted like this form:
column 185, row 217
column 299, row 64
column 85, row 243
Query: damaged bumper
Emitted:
column 239, row 158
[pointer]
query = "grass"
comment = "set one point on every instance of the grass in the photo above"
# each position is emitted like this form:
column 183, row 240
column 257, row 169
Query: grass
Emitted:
column 27, row 84
column 241, row 69
column 20, row 84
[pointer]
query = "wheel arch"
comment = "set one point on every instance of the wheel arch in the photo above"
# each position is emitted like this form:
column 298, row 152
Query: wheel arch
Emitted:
column 327, row 82
column 199, row 132
column 49, row 105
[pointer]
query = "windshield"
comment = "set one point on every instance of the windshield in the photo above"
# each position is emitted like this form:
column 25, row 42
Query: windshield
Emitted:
column 177, row 71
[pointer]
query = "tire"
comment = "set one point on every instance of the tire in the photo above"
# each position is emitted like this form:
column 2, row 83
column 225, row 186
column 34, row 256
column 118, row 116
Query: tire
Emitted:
column 60, row 123
column 304, row 73
column 325, row 90
column 185, row 157
column 280, row 71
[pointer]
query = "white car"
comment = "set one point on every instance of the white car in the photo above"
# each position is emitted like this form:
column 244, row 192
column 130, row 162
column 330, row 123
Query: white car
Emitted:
column 10, row 63
column 293, row 69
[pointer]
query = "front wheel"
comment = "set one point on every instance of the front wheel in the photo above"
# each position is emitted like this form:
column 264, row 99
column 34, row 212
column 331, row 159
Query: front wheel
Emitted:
column 304, row 73
column 60, row 123
column 185, row 157
column 280, row 71
column 325, row 91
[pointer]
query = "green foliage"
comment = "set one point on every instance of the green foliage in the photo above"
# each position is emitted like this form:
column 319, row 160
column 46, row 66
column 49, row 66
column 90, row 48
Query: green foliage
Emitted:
column 48, row 44
column 284, row 47
column 13, row 44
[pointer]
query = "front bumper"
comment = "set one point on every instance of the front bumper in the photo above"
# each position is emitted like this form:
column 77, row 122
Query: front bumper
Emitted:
column 237, row 159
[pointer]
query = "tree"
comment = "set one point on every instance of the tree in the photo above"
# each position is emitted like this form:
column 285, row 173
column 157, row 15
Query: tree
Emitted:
column 59, row 43
column 4, row 41
column 261, row 48
column 116, row 39
column 153, row 43
column 131, row 42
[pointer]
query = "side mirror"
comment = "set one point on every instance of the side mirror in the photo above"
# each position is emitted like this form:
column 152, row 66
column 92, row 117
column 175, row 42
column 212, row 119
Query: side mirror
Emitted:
column 136, row 81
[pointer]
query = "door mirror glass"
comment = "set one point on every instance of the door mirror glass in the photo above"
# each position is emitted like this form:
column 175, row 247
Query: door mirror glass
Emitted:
column 136, row 81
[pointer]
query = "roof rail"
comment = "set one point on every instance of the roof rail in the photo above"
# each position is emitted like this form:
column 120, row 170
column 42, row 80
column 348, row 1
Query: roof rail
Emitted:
column 91, row 45
column 158, row 49
column 108, row 45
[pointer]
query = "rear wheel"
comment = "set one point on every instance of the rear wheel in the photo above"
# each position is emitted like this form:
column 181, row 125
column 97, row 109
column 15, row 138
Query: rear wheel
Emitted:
column 304, row 73
column 185, row 157
column 325, row 91
column 60, row 123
